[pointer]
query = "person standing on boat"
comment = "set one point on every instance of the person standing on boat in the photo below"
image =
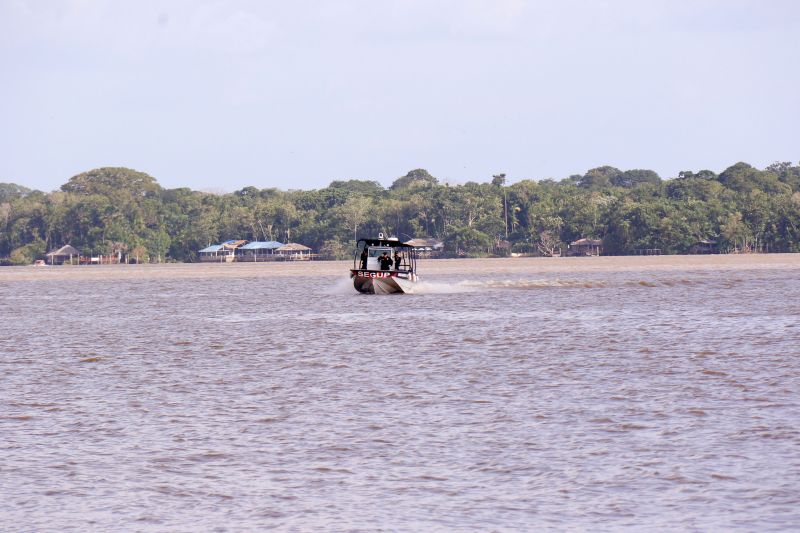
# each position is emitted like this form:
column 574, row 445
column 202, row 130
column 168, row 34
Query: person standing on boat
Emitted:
column 385, row 261
column 397, row 260
column 364, row 256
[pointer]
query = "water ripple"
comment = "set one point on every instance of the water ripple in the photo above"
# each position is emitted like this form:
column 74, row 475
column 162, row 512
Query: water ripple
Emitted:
column 188, row 398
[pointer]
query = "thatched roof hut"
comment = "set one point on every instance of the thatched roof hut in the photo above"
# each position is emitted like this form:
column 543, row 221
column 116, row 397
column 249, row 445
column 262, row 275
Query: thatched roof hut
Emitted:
column 63, row 254
column 233, row 244
column 65, row 251
column 586, row 247
column 293, row 247
column 294, row 250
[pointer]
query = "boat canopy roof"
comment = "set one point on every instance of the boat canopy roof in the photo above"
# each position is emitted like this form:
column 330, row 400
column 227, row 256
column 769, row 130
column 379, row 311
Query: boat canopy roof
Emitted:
column 392, row 243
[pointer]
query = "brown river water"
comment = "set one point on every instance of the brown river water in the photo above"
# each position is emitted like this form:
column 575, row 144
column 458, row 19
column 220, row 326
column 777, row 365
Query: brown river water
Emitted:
column 585, row 394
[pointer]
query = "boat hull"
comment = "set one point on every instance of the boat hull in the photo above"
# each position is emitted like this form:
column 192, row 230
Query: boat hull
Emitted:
column 383, row 281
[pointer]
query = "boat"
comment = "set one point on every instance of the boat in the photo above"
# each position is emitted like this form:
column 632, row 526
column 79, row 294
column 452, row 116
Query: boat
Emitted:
column 384, row 266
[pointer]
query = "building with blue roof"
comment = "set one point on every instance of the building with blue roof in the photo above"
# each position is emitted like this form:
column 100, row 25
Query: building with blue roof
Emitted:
column 220, row 253
column 258, row 251
column 253, row 252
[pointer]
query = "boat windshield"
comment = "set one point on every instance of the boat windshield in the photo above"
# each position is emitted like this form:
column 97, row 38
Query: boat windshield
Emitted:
column 375, row 251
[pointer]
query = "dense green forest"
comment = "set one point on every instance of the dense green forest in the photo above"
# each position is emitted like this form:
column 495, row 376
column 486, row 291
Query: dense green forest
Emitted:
column 107, row 210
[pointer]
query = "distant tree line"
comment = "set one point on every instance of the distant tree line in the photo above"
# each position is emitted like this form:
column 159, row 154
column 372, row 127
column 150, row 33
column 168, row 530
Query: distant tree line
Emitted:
column 112, row 210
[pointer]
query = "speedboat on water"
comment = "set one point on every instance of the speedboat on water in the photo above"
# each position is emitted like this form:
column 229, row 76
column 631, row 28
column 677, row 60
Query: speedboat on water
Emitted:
column 384, row 266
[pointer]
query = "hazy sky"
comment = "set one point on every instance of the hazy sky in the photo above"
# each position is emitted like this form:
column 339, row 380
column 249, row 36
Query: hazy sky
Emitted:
column 295, row 94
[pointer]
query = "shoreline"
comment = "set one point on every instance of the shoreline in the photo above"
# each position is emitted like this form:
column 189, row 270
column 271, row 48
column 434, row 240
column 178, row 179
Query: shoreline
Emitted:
column 520, row 265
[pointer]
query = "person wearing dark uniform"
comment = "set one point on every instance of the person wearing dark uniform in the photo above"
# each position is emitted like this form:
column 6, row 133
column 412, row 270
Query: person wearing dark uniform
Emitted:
column 397, row 260
column 364, row 256
column 385, row 261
